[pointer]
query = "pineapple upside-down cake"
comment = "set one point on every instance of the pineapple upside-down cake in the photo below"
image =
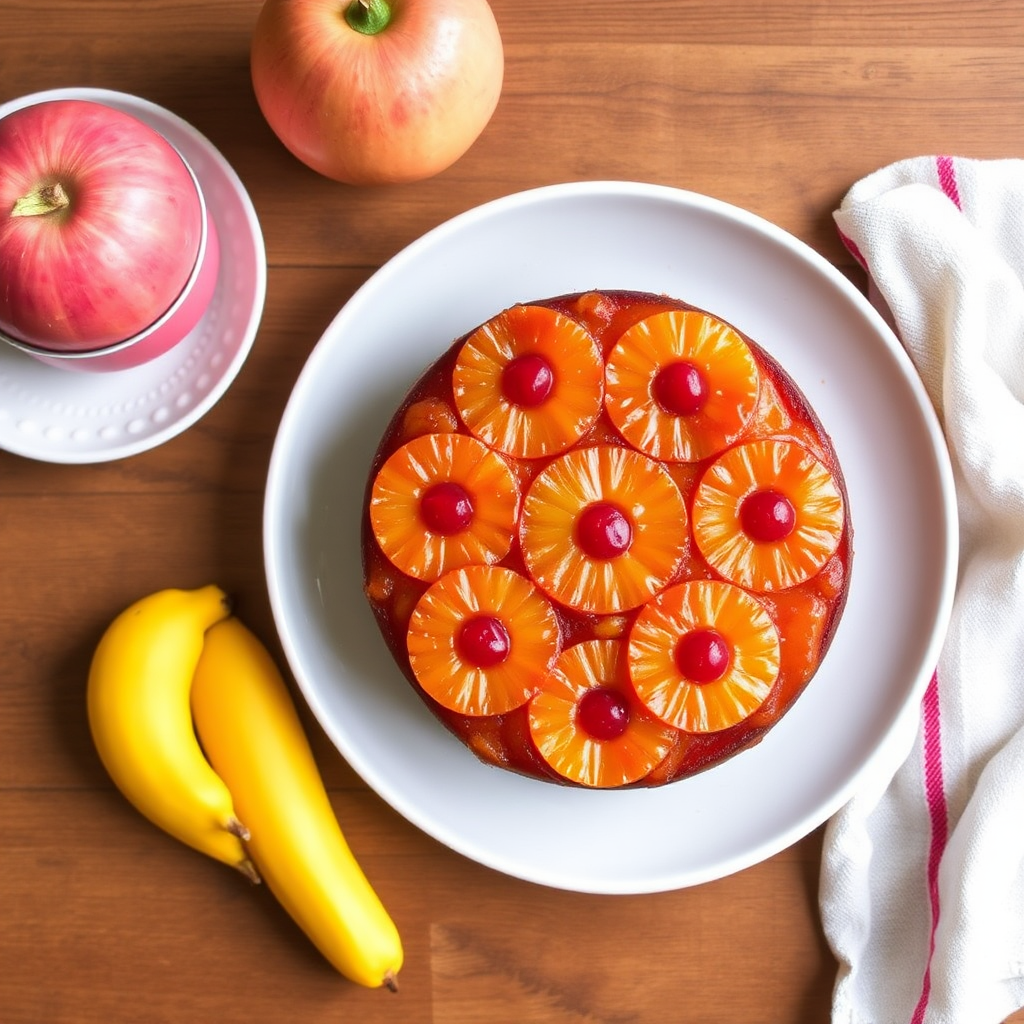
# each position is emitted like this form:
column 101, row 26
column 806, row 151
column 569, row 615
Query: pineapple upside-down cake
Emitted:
column 606, row 539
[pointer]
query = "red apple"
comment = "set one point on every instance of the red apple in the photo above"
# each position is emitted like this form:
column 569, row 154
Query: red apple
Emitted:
column 374, row 91
column 100, row 225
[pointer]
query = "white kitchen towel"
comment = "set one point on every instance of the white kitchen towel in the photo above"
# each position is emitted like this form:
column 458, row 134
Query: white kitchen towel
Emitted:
column 922, row 886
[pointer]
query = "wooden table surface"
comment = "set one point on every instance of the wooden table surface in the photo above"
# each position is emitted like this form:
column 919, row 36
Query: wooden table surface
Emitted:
column 774, row 106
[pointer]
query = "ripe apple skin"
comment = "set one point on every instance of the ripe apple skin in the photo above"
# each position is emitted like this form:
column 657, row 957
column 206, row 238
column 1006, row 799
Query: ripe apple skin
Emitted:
column 396, row 105
column 116, row 257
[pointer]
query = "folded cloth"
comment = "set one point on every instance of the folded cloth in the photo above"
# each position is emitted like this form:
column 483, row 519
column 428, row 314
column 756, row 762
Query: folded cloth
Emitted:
column 922, row 881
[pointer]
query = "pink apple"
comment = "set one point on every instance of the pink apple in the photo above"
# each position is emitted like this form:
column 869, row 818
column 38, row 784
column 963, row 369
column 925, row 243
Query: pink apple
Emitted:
column 375, row 91
column 101, row 225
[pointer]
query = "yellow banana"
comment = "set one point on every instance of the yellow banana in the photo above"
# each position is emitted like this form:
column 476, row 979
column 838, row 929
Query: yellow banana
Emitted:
column 252, row 734
column 141, row 723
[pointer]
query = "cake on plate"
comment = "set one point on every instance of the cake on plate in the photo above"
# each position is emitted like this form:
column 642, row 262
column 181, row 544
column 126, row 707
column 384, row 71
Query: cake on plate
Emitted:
column 606, row 539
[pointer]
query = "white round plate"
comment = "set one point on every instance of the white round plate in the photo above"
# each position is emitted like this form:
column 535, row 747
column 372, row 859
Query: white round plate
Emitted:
column 852, row 719
column 72, row 416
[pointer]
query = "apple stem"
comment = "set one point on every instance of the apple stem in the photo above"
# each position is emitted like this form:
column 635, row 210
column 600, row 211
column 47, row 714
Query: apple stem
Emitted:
column 41, row 200
column 368, row 16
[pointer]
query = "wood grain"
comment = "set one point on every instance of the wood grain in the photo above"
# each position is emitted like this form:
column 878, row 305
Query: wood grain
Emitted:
column 777, row 107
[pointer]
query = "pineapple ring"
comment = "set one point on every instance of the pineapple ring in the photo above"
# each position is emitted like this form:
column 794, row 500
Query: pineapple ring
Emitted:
column 643, row 493
column 467, row 595
column 407, row 477
column 683, row 611
column 563, row 740
column 562, row 408
column 759, row 467
column 721, row 391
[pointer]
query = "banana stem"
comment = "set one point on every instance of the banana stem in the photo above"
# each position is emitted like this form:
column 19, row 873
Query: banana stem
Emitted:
column 236, row 828
column 391, row 981
column 249, row 870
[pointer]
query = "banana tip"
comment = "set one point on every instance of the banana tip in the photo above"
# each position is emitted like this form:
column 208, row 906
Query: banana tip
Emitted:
column 391, row 981
column 249, row 870
column 236, row 828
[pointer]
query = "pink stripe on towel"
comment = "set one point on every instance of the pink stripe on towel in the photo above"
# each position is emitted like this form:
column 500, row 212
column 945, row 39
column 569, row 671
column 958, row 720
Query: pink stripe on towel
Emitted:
column 935, row 795
column 854, row 250
column 947, row 179
column 934, row 788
